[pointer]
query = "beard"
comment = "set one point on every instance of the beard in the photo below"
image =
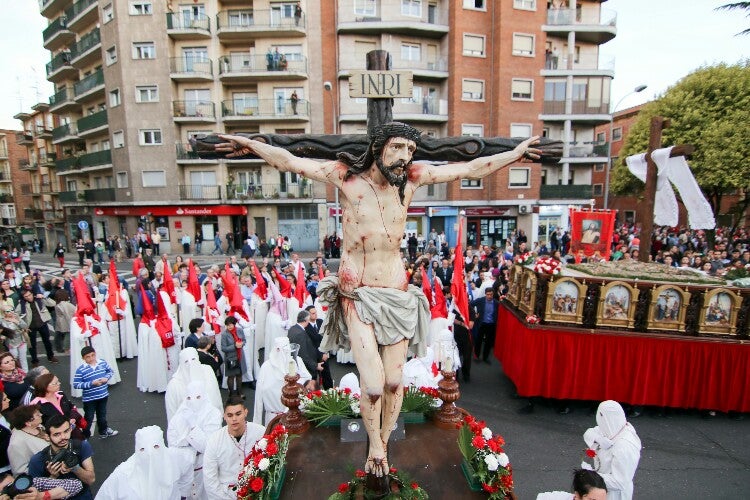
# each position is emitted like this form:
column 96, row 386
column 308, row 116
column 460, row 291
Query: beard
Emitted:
column 389, row 172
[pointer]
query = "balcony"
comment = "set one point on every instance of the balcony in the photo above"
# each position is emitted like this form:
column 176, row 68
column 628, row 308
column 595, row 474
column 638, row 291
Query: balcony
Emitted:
column 64, row 133
column 68, row 197
column 181, row 26
column 186, row 156
column 199, row 192
column 48, row 8
column 63, row 100
column 582, row 111
column 566, row 192
column 190, row 69
column 57, row 34
column 91, row 124
column 582, row 65
column 7, row 198
column 81, row 14
column 49, row 188
column 24, row 164
column 248, row 24
column 33, row 214
column 59, row 68
column 87, row 50
column 428, row 110
column 47, row 160
column 431, row 22
column 590, row 25
column 254, row 110
column 43, row 132
column 3, row 151
column 104, row 194
column 194, row 111
column 24, row 137
column 95, row 161
column 246, row 68
column 423, row 70
column 586, row 152
column 5, row 176
column 67, row 164
column 269, row 191
column 26, row 189
column 90, row 87
column 53, row 215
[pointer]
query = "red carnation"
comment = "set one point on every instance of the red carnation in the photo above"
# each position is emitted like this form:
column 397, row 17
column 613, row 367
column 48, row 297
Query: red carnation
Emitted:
column 343, row 487
column 500, row 440
column 590, row 453
column 489, row 488
column 392, row 470
column 256, row 459
column 256, row 484
column 360, row 473
column 272, row 449
column 493, row 445
column 478, row 442
column 507, row 481
column 414, row 486
column 468, row 419
column 347, row 391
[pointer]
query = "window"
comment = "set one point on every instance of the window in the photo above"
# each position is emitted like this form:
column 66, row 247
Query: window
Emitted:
column 471, row 130
column 411, row 52
column 141, row 8
column 519, row 178
column 523, row 45
column 411, row 8
column 144, row 50
column 150, row 137
column 616, row 134
column 522, row 89
column 154, row 178
column 472, row 90
column 554, row 90
column 598, row 190
column 601, row 137
column 147, row 93
column 471, row 183
column 524, row 4
column 108, row 13
column 475, row 4
column 474, row 45
column 364, row 7
column 599, row 167
column 111, row 56
column 118, row 139
column 114, row 98
column 520, row 130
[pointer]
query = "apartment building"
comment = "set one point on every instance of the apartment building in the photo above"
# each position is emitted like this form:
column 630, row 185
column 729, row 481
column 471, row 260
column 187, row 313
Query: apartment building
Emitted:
column 40, row 213
column 136, row 80
column 12, row 201
column 485, row 68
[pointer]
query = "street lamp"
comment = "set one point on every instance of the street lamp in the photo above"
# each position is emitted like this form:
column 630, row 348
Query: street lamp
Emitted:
column 639, row 88
column 337, row 216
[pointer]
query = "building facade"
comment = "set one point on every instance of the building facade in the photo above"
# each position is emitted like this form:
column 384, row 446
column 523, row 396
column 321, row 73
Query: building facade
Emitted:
column 15, row 226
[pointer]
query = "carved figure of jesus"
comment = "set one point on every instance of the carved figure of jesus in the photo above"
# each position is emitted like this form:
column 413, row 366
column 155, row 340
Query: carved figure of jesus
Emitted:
column 377, row 189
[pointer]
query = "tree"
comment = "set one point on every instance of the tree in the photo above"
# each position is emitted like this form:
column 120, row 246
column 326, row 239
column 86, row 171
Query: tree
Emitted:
column 738, row 6
column 710, row 109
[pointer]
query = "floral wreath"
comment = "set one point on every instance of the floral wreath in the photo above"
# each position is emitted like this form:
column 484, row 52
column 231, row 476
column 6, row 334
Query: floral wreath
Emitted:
column 262, row 468
column 484, row 453
column 524, row 259
column 547, row 265
column 402, row 487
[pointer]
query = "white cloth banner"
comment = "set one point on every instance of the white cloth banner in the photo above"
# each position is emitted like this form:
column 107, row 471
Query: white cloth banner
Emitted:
column 674, row 171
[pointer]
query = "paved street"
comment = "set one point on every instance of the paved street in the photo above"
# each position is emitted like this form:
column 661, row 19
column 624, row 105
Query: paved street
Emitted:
column 684, row 455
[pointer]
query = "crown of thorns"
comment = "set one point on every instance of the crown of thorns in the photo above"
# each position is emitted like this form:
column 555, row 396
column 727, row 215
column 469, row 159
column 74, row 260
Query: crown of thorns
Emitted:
column 382, row 133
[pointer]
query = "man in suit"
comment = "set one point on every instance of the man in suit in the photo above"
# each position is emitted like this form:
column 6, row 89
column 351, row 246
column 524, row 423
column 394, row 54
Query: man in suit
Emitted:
column 307, row 350
column 313, row 330
column 445, row 272
column 485, row 311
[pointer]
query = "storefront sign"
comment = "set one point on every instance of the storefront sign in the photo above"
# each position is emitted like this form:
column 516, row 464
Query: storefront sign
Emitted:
column 442, row 211
column 190, row 210
column 178, row 224
column 411, row 211
column 487, row 211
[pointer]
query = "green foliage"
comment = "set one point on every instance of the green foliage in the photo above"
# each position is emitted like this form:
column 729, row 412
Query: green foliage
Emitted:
column 417, row 401
column 710, row 109
column 464, row 443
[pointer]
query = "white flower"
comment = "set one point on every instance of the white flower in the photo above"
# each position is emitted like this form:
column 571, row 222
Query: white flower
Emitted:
column 486, row 433
column 262, row 443
column 355, row 407
column 502, row 459
column 491, row 462
column 264, row 463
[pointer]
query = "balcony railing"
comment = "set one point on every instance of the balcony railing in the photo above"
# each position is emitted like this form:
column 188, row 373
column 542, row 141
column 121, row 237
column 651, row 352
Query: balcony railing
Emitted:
column 90, row 40
column 437, row 65
column 253, row 18
column 77, row 8
column 264, row 108
column 268, row 191
column 43, row 131
column 555, row 191
column 7, row 198
column 47, row 159
column 104, row 194
column 63, row 131
column 580, row 107
column 5, row 175
column 199, row 192
column 587, row 149
column 24, row 164
column 179, row 21
column 24, row 137
column 582, row 62
column 57, row 25
column 192, row 66
column 95, row 159
column 185, row 152
column 68, row 196
column 92, row 81
column 193, row 109
column 66, row 164
column 62, row 96
column 57, row 62
column 94, row 121
column 560, row 17
column 245, row 63
column 53, row 214
column 33, row 213
column 47, row 187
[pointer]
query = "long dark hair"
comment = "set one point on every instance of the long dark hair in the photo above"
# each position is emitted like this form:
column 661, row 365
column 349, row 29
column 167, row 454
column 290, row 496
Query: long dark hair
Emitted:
column 380, row 135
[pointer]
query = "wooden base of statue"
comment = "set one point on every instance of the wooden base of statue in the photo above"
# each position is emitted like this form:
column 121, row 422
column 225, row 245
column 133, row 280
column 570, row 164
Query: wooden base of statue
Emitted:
column 293, row 420
column 448, row 415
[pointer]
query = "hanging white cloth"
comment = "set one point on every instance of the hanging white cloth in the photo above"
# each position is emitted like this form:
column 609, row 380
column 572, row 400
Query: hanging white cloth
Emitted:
column 665, row 202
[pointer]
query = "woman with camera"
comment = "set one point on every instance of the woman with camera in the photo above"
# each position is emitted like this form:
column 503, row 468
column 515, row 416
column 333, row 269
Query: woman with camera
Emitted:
column 28, row 437
column 52, row 401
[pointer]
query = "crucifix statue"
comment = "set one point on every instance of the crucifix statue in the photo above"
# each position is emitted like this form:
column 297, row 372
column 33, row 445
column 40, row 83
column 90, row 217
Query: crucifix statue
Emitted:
column 372, row 308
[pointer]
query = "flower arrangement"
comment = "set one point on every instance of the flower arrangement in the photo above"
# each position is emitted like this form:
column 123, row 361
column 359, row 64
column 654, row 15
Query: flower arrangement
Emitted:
column 532, row 319
column 263, row 468
column 484, row 454
column 420, row 400
column 320, row 406
column 547, row 265
column 402, row 487
column 524, row 259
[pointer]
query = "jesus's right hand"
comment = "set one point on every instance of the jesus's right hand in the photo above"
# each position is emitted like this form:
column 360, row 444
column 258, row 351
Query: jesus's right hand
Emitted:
column 235, row 146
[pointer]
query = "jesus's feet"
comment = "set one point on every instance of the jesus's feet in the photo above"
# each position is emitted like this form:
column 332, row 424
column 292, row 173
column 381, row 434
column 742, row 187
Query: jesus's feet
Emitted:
column 377, row 466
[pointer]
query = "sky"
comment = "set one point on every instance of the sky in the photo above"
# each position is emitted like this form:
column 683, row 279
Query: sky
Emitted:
column 658, row 42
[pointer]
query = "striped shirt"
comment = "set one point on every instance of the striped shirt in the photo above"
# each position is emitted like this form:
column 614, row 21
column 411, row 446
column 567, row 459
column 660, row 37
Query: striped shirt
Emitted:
column 85, row 376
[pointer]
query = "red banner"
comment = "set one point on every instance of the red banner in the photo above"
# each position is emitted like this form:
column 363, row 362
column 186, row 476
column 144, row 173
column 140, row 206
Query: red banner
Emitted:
column 591, row 232
column 184, row 210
